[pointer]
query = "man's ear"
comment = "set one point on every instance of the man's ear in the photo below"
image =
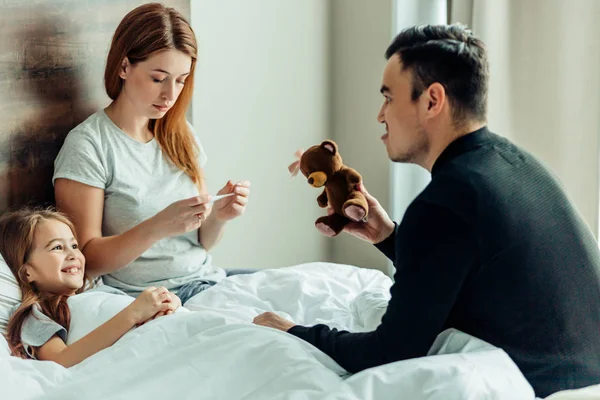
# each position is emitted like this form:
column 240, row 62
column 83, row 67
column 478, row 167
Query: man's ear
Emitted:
column 124, row 68
column 436, row 99
column 330, row 146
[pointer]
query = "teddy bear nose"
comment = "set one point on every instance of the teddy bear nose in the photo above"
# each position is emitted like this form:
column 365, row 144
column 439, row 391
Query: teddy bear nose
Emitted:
column 317, row 179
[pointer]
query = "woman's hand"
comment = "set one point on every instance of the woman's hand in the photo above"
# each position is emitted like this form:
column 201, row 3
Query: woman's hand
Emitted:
column 232, row 207
column 181, row 217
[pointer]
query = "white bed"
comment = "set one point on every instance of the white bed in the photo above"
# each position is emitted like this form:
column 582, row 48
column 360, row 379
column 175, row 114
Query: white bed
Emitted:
column 215, row 352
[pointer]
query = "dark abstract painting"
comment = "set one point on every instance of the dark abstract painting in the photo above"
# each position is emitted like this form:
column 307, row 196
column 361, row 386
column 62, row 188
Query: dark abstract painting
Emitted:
column 52, row 57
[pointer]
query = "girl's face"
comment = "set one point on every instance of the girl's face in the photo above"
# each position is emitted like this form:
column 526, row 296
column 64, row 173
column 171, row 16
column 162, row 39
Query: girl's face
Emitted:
column 153, row 86
column 55, row 264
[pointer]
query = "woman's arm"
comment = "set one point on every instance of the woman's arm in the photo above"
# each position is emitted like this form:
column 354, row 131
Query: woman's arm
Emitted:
column 85, row 206
column 211, row 231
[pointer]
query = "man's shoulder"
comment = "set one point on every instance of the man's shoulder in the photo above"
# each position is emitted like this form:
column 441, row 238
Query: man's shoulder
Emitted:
column 484, row 169
column 490, row 180
column 451, row 185
column 461, row 187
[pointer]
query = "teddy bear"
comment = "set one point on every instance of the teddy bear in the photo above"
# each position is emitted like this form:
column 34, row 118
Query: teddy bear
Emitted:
column 322, row 165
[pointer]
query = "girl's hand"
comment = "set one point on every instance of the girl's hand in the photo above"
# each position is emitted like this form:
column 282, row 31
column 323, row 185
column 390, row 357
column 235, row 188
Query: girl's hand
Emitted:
column 174, row 303
column 233, row 206
column 149, row 303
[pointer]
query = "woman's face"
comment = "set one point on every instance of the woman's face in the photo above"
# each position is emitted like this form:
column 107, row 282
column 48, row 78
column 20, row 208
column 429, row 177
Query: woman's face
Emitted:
column 153, row 86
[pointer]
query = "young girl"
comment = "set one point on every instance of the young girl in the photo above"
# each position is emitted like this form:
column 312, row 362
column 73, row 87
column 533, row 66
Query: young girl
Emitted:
column 41, row 250
column 131, row 176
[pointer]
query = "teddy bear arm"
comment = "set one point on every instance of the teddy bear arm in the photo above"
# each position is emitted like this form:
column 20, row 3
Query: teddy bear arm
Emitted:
column 353, row 177
column 322, row 200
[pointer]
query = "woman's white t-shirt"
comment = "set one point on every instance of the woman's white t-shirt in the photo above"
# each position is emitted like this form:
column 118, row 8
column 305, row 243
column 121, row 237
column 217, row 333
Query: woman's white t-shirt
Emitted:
column 138, row 181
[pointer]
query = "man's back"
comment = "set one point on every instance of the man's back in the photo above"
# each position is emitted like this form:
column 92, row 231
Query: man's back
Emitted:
column 534, row 287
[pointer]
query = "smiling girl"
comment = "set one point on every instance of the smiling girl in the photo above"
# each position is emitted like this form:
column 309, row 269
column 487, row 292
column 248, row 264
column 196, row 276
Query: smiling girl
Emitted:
column 41, row 249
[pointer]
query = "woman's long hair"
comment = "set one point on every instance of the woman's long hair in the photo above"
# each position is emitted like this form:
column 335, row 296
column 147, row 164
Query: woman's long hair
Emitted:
column 17, row 230
column 144, row 31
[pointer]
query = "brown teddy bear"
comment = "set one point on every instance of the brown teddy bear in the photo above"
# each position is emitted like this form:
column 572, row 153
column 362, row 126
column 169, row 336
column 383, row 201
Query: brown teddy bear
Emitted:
column 322, row 165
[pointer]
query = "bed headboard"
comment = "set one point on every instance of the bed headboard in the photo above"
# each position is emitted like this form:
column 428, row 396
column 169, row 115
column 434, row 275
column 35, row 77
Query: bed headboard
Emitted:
column 52, row 57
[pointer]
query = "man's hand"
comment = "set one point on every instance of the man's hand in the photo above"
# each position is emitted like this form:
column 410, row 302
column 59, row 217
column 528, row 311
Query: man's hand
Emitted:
column 272, row 320
column 378, row 225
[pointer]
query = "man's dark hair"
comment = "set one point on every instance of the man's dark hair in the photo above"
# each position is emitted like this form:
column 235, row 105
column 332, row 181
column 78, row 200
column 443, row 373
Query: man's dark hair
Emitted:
column 451, row 56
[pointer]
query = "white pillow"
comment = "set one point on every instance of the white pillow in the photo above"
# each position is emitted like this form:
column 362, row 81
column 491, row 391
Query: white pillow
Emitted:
column 458, row 367
column 588, row 393
column 4, row 351
column 10, row 294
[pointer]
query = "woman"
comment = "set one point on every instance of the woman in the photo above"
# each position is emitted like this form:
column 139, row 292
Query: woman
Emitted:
column 130, row 176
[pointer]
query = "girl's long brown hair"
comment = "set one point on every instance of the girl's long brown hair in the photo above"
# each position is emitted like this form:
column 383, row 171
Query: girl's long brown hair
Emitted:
column 144, row 31
column 17, row 230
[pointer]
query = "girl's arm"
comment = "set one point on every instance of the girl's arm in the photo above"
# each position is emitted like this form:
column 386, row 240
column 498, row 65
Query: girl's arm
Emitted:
column 150, row 302
column 99, row 339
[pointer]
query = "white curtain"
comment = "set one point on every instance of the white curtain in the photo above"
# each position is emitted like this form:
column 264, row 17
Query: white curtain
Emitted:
column 544, row 86
column 408, row 180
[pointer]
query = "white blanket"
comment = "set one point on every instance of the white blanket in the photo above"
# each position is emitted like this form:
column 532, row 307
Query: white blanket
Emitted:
column 215, row 352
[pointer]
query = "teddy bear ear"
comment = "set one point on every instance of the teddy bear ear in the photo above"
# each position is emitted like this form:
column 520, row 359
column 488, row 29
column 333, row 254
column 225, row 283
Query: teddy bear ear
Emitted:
column 294, row 167
column 330, row 146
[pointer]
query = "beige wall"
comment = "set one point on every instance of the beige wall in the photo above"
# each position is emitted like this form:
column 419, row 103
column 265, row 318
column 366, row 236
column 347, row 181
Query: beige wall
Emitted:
column 276, row 76
column 262, row 90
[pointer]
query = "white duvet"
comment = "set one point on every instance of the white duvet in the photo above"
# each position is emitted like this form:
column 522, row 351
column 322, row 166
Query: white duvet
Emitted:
column 215, row 352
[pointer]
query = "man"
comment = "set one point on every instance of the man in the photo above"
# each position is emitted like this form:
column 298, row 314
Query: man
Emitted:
column 491, row 247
